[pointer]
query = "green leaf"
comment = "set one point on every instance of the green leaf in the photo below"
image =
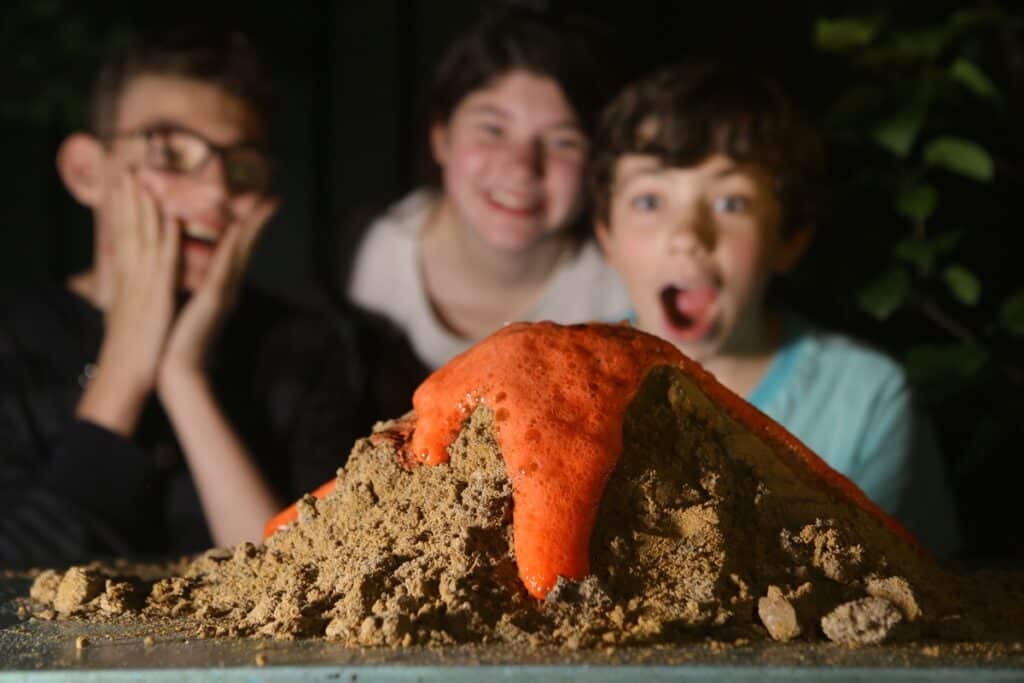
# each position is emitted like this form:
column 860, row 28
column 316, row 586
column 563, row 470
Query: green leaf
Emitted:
column 909, row 46
column 964, row 284
column 917, row 202
column 960, row 156
column 845, row 33
column 919, row 252
column 898, row 133
column 1011, row 314
column 974, row 79
column 883, row 296
column 923, row 252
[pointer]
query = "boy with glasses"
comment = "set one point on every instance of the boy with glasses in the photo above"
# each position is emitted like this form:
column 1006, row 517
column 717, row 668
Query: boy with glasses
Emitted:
column 153, row 405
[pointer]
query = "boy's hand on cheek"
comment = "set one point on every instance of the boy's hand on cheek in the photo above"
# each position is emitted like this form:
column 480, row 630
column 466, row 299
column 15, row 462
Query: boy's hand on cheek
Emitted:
column 137, row 321
column 199, row 320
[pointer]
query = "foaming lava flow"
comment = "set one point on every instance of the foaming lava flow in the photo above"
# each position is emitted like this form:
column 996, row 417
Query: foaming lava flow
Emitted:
column 559, row 396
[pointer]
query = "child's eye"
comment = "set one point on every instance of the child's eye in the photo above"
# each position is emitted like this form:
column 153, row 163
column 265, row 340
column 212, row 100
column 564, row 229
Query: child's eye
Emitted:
column 646, row 202
column 732, row 204
column 566, row 144
column 491, row 130
column 166, row 156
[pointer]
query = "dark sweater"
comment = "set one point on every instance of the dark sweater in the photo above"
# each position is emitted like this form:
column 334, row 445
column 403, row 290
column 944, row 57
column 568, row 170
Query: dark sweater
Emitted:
column 298, row 387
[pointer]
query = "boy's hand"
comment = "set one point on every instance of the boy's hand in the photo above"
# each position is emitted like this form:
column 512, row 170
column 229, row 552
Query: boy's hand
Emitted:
column 199, row 320
column 146, row 253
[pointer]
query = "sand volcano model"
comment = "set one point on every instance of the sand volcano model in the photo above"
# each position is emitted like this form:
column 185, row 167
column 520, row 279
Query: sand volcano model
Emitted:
column 583, row 485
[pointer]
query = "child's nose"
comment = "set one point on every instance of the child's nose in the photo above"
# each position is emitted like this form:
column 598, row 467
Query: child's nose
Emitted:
column 526, row 157
column 693, row 230
column 214, row 179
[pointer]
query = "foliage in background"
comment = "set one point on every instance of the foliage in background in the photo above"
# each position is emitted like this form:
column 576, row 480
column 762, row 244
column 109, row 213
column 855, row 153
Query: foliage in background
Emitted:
column 52, row 50
column 927, row 151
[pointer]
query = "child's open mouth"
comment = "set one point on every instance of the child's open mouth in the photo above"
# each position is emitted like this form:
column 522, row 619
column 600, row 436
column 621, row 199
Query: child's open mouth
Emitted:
column 199, row 236
column 687, row 310
column 204, row 241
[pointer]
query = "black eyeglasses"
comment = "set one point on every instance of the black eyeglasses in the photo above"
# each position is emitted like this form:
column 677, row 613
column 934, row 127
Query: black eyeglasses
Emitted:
column 173, row 149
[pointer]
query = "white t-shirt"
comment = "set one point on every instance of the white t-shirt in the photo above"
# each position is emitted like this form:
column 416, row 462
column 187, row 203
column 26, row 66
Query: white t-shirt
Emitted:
column 386, row 278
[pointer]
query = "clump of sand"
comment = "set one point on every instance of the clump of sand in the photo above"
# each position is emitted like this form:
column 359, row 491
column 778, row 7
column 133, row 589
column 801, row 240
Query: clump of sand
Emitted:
column 701, row 531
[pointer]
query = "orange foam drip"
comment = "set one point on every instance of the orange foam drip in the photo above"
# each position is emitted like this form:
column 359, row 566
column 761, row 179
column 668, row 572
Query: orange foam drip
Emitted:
column 559, row 395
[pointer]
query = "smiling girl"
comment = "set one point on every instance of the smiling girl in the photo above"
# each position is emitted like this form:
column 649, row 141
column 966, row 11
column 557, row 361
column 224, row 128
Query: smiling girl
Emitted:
column 502, row 237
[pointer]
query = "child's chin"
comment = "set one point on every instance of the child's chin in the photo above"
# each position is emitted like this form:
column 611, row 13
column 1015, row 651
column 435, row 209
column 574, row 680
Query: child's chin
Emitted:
column 512, row 241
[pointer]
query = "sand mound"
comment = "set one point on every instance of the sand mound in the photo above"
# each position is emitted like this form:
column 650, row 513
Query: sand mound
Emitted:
column 701, row 531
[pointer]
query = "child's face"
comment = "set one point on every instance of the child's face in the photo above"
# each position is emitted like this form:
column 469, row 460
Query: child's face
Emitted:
column 188, row 115
column 512, row 156
column 696, row 247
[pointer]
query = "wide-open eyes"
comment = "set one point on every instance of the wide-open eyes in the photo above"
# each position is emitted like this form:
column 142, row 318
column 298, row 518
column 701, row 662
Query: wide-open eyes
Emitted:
column 647, row 201
column 732, row 203
column 490, row 130
column 568, row 143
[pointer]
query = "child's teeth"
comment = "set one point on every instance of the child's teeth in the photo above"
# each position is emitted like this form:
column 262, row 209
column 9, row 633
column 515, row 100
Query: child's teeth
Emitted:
column 200, row 232
column 511, row 201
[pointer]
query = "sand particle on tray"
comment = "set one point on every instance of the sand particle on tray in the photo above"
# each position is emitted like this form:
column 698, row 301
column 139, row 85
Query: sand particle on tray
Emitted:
column 709, row 525
column 861, row 622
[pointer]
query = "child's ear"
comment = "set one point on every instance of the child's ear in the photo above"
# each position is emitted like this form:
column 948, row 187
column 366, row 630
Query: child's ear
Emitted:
column 80, row 162
column 793, row 249
column 439, row 143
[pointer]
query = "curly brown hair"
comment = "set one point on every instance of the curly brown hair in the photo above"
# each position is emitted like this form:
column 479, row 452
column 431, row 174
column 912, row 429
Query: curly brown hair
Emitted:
column 683, row 114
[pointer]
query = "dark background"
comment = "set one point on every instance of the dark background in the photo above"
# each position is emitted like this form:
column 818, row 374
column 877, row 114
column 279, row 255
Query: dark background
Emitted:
column 351, row 77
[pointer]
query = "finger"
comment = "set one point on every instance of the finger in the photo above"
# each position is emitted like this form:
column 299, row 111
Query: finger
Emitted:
column 150, row 222
column 147, row 225
column 232, row 255
column 170, row 246
column 220, row 270
column 124, row 239
column 244, row 234
column 252, row 227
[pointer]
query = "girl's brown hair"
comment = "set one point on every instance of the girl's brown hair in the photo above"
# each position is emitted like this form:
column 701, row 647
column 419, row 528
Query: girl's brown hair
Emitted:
column 572, row 50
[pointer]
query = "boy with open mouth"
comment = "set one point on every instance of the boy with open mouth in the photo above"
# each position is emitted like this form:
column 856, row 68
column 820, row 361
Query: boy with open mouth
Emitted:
column 705, row 188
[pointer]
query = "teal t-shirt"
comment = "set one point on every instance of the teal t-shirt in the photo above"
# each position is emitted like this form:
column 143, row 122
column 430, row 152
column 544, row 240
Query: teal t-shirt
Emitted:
column 853, row 407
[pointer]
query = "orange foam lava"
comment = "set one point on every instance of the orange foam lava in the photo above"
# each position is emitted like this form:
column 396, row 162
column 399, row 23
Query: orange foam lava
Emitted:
column 559, row 396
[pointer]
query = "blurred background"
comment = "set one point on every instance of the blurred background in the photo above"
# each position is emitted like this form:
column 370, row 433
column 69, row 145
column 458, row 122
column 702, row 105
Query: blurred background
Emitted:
column 920, row 104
